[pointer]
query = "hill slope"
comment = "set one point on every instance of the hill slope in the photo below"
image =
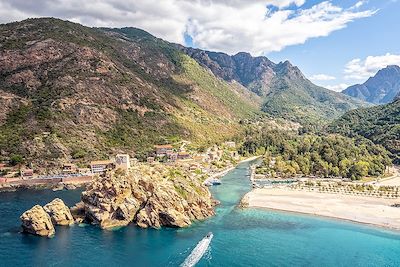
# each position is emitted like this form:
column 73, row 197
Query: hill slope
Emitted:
column 71, row 91
column 380, row 89
column 284, row 89
column 381, row 124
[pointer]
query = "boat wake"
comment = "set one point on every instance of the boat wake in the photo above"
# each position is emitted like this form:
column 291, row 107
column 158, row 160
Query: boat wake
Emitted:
column 198, row 252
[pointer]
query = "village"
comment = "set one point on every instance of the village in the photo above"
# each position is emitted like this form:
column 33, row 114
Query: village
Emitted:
column 212, row 163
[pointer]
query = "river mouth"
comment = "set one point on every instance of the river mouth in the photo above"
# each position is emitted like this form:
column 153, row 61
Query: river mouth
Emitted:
column 242, row 237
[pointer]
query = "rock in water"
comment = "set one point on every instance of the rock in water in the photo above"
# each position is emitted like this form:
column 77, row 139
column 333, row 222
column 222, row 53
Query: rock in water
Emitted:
column 59, row 212
column 37, row 222
column 147, row 196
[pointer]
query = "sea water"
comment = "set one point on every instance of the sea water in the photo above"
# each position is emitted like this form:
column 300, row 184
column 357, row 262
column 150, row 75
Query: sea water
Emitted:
column 242, row 237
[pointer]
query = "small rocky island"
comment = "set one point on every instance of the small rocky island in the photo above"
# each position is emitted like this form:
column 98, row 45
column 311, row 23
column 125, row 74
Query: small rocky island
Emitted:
column 41, row 220
column 148, row 196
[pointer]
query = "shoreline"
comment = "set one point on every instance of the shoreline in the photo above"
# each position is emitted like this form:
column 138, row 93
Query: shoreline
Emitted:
column 249, row 159
column 363, row 210
column 43, row 185
column 224, row 172
column 330, row 218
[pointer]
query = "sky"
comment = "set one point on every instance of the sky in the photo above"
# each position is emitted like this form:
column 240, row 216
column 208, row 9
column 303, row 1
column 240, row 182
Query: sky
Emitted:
column 335, row 43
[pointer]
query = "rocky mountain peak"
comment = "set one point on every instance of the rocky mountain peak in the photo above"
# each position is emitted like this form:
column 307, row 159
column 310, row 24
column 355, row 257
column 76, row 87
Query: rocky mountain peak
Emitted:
column 290, row 71
column 380, row 89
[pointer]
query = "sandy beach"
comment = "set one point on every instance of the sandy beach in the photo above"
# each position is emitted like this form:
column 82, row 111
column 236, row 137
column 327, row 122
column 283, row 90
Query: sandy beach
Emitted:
column 368, row 210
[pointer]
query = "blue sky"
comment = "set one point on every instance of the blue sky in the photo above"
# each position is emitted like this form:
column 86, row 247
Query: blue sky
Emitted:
column 376, row 35
column 335, row 43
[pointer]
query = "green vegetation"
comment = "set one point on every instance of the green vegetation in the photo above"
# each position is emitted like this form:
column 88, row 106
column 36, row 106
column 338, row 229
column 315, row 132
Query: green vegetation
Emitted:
column 299, row 100
column 12, row 132
column 110, row 90
column 380, row 124
column 215, row 90
column 16, row 159
column 140, row 132
column 288, row 154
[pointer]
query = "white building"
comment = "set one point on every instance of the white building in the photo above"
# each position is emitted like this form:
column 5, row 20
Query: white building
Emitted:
column 122, row 162
column 101, row 166
column 230, row 144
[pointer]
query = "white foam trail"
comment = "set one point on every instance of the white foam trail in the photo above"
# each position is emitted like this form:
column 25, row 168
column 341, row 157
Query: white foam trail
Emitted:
column 198, row 251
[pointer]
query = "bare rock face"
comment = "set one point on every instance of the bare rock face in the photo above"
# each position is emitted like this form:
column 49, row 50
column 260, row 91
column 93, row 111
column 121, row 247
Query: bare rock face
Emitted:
column 59, row 212
column 37, row 222
column 147, row 197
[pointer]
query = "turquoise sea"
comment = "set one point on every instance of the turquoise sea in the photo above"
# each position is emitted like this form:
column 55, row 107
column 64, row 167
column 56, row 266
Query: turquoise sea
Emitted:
column 246, row 237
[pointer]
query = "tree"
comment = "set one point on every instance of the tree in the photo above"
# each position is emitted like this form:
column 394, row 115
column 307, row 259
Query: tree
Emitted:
column 16, row 159
column 359, row 169
column 344, row 167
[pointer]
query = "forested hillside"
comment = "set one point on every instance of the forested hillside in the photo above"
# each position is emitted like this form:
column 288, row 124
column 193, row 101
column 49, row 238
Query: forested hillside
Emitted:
column 288, row 153
column 380, row 124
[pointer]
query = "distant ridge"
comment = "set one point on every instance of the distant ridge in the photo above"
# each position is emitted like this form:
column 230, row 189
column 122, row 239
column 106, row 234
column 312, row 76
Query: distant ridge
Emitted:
column 379, row 89
column 285, row 91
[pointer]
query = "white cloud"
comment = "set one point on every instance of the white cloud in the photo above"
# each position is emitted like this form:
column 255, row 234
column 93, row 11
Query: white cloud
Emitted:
column 359, row 69
column 223, row 25
column 337, row 87
column 322, row 77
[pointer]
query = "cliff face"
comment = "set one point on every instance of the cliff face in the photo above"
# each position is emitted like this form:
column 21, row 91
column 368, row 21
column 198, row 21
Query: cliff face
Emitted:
column 149, row 197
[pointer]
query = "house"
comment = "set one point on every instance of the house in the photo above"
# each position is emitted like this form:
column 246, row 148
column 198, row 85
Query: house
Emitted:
column 134, row 161
column 150, row 159
column 195, row 167
column 214, row 156
column 83, row 170
column 199, row 158
column 183, row 155
column 4, row 168
column 163, row 150
column 69, row 168
column 173, row 156
column 272, row 163
column 28, row 173
column 101, row 166
column 230, row 144
column 122, row 162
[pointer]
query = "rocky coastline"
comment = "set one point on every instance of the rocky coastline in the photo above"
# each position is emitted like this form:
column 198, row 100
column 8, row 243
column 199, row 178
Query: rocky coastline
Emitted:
column 147, row 196
column 12, row 187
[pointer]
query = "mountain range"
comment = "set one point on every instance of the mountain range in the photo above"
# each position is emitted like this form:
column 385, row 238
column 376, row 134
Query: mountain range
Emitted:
column 70, row 91
column 284, row 90
column 379, row 89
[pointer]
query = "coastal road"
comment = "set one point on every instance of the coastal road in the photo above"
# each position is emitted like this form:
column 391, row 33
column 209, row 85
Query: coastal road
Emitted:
column 394, row 180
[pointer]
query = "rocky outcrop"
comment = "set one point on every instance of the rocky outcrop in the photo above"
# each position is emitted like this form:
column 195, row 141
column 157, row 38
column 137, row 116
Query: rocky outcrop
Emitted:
column 148, row 197
column 244, row 202
column 37, row 222
column 59, row 212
